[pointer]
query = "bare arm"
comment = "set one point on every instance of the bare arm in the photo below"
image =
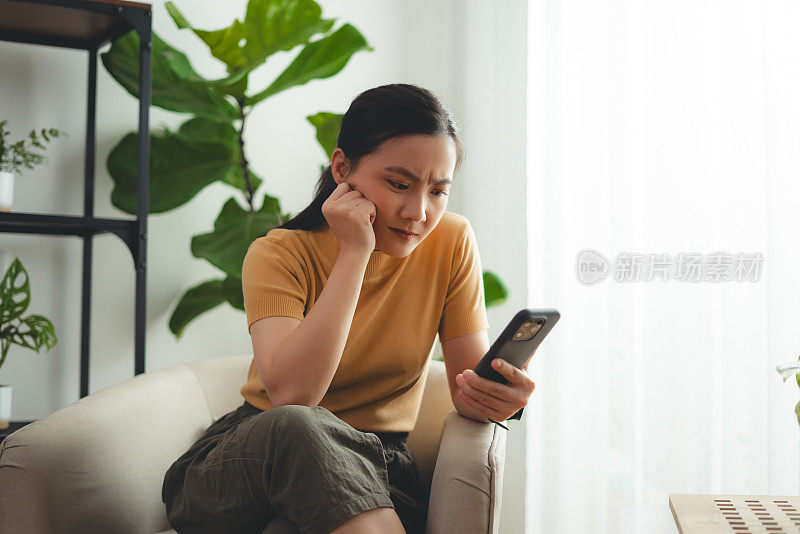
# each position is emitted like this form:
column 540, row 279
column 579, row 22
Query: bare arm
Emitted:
column 464, row 352
column 308, row 358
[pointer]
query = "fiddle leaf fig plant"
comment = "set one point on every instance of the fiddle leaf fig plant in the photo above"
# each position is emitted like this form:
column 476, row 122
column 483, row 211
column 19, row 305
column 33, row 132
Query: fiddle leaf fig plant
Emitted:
column 33, row 331
column 209, row 146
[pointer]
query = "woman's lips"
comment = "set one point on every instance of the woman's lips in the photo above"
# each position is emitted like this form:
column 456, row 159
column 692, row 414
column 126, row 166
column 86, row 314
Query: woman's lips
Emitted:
column 402, row 234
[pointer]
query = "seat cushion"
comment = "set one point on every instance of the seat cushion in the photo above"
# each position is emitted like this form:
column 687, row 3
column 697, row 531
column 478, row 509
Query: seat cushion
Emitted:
column 100, row 462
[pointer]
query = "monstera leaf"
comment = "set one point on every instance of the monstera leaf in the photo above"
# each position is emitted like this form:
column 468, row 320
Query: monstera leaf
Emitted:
column 39, row 332
column 15, row 292
column 33, row 331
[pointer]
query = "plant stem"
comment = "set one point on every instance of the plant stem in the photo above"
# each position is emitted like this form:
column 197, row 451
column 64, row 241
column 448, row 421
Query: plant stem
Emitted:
column 5, row 344
column 243, row 161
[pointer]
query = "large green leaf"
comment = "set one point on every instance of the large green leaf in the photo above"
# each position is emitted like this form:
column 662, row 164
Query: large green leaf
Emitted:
column 494, row 290
column 200, row 130
column 269, row 26
column 224, row 43
column 236, row 88
column 320, row 59
column 797, row 412
column 180, row 166
column 234, row 230
column 235, row 178
column 175, row 84
column 274, row 25
column 194, row 302
column 15, row 292
column 204, row 297
column 328, row 126
column 232, row 287
column 796, row 379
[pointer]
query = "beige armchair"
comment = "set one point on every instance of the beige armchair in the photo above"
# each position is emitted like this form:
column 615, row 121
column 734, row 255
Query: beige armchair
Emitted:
column 97, row 465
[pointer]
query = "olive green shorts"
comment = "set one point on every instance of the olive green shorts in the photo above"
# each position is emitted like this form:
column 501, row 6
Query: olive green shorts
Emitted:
column 298, row 462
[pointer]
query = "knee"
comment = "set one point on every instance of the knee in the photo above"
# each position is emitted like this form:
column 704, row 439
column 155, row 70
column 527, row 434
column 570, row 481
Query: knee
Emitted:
column 292, row 418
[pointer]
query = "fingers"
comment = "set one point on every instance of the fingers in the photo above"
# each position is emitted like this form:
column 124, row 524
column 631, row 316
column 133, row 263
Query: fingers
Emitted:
column 340, row 190
column 486, row 404
column 343, row 194
column 513, row 374
column 346, row 194
column 482, row 408
column 483, row 387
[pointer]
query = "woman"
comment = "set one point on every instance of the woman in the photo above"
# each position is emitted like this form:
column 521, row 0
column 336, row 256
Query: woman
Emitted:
column 343, row 304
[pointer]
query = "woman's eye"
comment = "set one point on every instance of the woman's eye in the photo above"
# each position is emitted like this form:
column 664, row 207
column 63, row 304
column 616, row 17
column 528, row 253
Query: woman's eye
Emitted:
column 396, row 184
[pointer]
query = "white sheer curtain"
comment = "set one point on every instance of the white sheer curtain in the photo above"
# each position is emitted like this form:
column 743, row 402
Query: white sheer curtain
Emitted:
column 661, row 127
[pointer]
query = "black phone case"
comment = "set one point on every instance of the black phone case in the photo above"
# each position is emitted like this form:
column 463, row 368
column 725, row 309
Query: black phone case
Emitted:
column 516, row 352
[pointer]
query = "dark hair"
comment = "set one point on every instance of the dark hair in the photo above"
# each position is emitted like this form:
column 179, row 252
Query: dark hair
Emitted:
column 375, row 116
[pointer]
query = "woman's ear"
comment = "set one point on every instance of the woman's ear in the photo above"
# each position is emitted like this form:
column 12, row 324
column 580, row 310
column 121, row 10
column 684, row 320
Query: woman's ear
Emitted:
column 339, row 166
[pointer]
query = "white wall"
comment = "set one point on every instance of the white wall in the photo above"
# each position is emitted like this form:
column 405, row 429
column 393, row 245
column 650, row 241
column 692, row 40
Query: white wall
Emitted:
column 470, row 53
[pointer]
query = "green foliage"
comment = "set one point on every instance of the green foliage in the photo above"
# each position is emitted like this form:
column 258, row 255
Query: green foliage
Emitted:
column 327, row 125
column 209, row 146
column 33, row 331
column 20, row 154
column 494, row 290
column 791, row 369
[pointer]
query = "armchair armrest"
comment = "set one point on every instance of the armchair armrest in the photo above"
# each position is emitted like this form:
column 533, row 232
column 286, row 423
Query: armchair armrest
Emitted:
column 467, row 484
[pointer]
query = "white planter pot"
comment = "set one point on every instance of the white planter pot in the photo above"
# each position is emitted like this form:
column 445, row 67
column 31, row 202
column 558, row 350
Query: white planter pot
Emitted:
column 6, row 190
column 5, row 405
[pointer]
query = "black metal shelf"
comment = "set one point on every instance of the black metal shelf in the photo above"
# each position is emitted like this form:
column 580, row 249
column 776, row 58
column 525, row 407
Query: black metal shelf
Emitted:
column 89, row 25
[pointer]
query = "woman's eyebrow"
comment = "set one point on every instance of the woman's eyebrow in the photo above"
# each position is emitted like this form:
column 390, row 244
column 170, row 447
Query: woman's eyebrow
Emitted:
column 411, row 176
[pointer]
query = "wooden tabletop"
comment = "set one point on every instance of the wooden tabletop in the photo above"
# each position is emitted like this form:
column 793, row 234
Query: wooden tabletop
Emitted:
column 712, row 514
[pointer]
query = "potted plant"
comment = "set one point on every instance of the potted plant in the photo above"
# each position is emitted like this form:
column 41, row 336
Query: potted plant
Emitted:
column 791, row 369
column 18, row 155
column 33, row 331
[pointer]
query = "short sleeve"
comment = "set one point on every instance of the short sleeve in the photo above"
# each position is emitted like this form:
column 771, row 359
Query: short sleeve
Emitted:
column 465, row 306
column 273, row 282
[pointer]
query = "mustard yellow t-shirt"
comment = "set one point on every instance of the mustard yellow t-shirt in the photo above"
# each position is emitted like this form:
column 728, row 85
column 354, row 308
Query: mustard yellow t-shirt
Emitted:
column 403, row 303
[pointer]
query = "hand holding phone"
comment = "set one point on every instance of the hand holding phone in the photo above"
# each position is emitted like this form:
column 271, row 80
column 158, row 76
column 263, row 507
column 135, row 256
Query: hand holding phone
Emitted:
column 517, row 343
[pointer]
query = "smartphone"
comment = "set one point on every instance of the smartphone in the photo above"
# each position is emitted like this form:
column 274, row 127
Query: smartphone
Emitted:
column 517, row 343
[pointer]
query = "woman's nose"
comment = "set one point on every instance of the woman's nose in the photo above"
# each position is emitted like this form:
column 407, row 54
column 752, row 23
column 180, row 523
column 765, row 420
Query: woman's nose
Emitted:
column 414, row 209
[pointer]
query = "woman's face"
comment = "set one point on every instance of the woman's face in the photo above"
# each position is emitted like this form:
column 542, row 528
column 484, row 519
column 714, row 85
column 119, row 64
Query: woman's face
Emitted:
column 386, row 178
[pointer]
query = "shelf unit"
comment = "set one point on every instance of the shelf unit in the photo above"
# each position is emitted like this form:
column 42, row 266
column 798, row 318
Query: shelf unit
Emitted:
column 89, row 25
